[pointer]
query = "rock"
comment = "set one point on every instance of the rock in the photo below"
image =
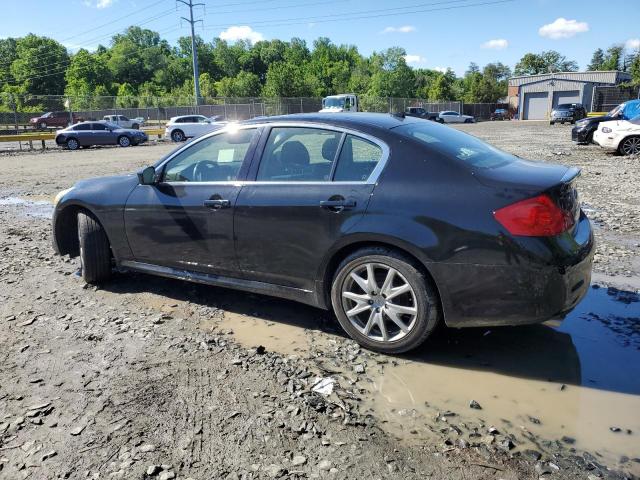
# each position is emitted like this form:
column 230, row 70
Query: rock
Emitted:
column 535, row 420
column 298, row 460
column 153, row 470
column 167, row 475
column 475, row 405
column 542, row 469
column 532, row 454
column 274, row 470
column 568, row 440
column 359, row 368
column 48, row 455
column 325, row 465
column 77, row 431
column 147, row 447
column 615, row 429
column 506, row 444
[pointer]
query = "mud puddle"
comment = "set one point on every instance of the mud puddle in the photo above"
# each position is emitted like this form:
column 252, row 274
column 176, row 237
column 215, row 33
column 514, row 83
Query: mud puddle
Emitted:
column 574, row 383
column 29, row 208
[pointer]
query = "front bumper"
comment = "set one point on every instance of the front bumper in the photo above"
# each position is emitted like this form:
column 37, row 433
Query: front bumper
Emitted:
column 580, row 134
column 606, row 140
column 569, row 118
column 520, row 292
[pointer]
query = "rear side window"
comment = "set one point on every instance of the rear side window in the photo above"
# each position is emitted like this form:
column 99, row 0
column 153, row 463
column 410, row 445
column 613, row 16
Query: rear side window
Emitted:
column 298, row 154
column 357, row 160
column 454, row 143
column 82, row 126
column 98, row 126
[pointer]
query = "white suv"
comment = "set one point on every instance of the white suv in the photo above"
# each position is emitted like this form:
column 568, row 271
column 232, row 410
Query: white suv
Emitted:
column 190, row 126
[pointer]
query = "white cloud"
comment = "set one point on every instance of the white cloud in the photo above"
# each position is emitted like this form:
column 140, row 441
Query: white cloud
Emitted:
column 563, row 28
column 633, row 44
column 441, row 69
column 99, row 3
column 496, row 44
column 403, row 29
column 241, row 32
column 415, row 59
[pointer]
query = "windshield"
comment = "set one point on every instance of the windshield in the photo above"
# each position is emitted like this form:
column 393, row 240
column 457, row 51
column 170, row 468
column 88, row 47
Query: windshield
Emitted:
column 566, row 106
column 616, row 111
column 334, row 102
column 462, row 146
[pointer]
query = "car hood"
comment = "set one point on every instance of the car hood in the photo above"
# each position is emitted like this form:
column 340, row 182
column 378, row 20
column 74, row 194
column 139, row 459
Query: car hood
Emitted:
column 601, row 118
column 89, row 184
column 618, row 125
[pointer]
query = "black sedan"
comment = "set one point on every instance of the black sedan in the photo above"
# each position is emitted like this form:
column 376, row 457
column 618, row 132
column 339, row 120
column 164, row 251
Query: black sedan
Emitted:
column 583, row 130
column 87, row 134
column 395, row 223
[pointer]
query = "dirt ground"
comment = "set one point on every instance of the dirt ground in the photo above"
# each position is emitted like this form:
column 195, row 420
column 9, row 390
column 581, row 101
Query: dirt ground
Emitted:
column 153, row 378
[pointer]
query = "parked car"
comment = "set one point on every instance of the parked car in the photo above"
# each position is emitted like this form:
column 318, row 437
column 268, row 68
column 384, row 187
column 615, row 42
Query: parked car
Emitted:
column 622, row 136
column 585, row 128
column 124, row 122
column 180, row 128
column 454, row 117
column 420, row 112
column 335, row 212
column 54, row 119
column 500, row 114
column 567, row 112
column 87, row 134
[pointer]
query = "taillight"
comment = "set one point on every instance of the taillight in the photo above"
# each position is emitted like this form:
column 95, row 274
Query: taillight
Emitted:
column 534, row 217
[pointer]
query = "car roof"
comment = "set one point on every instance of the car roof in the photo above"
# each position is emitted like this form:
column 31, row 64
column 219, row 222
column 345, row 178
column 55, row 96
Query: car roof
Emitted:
column 356, row 120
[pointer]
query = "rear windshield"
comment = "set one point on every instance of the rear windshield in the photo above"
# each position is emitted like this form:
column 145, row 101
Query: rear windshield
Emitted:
column 464, row 147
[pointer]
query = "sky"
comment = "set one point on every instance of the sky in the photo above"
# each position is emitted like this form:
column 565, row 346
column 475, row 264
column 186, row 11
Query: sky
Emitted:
column 436, row 34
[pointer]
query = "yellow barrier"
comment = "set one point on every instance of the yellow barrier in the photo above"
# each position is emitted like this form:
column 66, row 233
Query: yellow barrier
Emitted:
column 26, row 137
column 596, row 114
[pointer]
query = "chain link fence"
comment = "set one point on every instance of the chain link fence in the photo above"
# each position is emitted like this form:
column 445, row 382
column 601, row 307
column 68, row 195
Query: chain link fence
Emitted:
column 16, row 111
column 606, row 98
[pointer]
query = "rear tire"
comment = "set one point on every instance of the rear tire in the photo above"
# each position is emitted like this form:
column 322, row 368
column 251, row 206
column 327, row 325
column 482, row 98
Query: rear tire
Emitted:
column 417, row 308
column 43, row 125
column 135, row 126
column 95, row 254
column 177, row 136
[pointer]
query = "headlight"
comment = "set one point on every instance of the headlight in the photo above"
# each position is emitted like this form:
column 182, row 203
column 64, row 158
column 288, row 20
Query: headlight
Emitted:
column 61, row 194
column 582, row 123
column 606, row 130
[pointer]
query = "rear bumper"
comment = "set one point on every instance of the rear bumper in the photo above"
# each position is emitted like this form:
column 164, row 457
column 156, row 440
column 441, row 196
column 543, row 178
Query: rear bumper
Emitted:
column 520, row 292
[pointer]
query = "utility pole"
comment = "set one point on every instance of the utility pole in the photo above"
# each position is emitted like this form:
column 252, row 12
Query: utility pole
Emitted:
column 194, row 52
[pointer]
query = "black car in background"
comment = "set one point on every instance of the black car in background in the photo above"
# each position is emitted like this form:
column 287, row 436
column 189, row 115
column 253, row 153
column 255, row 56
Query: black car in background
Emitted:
column 420, row 112
column 87, row 134
column 394, row 223
column 583, row 130
column 500, row 114
column 567, row 112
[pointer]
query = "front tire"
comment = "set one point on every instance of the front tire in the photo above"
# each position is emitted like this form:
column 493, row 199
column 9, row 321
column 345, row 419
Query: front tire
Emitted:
column 124, row 141
column 95, row 254
column 177, row 136
column 629, row 146
column 43, row 125
column 72, row 144
column 383, row 301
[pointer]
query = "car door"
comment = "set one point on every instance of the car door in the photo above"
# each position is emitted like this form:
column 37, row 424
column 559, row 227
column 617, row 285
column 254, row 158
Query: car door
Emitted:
column 185, row 221
column 309, row 187
column 84, row 134
column 101, row 135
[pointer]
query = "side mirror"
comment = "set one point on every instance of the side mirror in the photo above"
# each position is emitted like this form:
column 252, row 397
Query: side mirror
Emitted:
column 147, row 176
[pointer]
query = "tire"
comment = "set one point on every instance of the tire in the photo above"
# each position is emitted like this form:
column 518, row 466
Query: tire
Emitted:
column 421, row 298
column 177, row 135
column 95, row 254
column 630, row 146
column 589, row 139
column 42, row 125
column 72, row 144
column 135, row 126
column 440, row 120
column 551, row 123
column 124, row 141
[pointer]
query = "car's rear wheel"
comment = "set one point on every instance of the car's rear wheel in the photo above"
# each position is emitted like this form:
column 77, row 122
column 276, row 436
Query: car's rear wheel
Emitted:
column 43, row 125
column 177, row 135
column 95, row 254
column 124, row 141
column 72, row 144
column 468, row 120
column 383, row 301
column 135, row 126
column 629, row 146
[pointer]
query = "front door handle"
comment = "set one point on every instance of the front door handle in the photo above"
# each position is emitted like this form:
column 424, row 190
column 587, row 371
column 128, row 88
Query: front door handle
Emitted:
column 217, row 204
column 337, row 205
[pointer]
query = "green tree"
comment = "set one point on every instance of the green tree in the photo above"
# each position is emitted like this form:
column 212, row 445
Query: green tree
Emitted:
column 84, row 74
column 127, row 96
column 546, row 62
column 287, row 80
column 443, row 86
column 39, row 66
column 613, row 58
column 245, row 84
column 8, row 54
column 597, row 59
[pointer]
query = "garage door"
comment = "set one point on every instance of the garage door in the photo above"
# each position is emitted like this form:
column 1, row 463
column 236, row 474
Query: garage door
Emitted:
column 570, row 96
column 535, row 105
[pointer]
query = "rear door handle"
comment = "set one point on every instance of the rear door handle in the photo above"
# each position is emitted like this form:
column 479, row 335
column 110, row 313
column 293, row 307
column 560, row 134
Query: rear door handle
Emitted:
column 338, row 203
column 217, row 204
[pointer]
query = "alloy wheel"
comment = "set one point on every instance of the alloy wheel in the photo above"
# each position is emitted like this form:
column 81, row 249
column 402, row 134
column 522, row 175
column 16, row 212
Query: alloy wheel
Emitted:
column 124, row 141
column 631, row 146
column 72, row 144
column 379, row 302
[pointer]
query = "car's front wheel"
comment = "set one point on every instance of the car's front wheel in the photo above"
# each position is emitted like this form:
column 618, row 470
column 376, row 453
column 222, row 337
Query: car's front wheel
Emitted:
column 95, row 254
column 629, row 146
column 383, row 300
column 177, row 136
column 72, row 144
column 124, row 141
column 43, row 125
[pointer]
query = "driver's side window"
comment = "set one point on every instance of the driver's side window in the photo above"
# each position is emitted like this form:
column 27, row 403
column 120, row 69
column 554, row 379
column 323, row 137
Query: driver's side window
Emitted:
column 214, row 159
